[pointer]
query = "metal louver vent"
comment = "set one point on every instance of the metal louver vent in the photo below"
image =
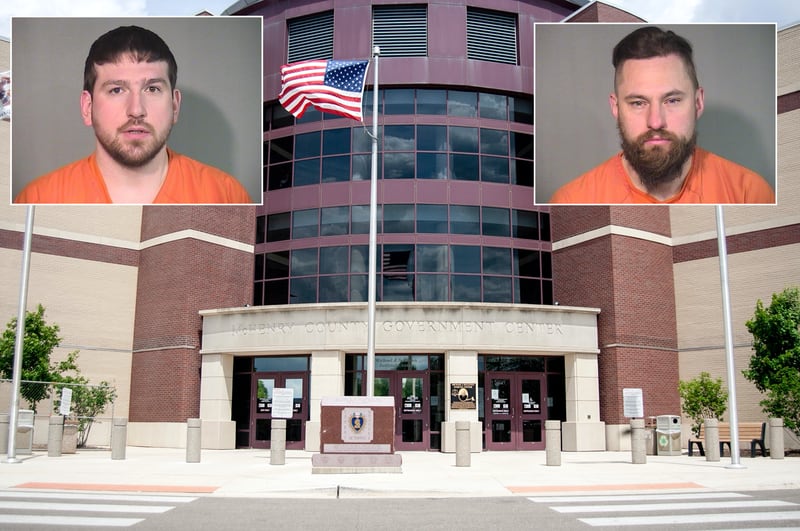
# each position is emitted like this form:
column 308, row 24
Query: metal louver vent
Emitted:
column 491, row 36
column 400, row 31
column 311, row 37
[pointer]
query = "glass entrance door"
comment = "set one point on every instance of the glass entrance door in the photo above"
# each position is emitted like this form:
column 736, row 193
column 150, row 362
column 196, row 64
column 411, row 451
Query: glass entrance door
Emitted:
column 410, row 392
column 514, row 411
column 261, row 419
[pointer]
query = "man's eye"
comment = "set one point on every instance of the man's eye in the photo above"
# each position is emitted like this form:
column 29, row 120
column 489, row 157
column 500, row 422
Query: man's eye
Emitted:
column 637, row 104
column 673, row 101
column 115, row 90
column 153, row 88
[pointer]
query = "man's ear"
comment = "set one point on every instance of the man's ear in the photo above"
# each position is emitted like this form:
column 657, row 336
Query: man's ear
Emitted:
column 613, row 103
column 699, row 101
column 176, row 105
column 86, row 107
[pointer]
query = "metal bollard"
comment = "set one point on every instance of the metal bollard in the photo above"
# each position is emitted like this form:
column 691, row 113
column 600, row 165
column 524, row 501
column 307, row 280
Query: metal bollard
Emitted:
column 463, row 454
column 638, row 443
column 119, row 437
column 3, row 433
column 776, row 438
column 55, row 435
column 712, row 440
column 277, row 442
column 193, row 428
column 552, row 442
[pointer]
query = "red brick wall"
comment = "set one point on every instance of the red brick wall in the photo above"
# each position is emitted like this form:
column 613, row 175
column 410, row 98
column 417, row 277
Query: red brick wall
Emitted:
column 176, row 280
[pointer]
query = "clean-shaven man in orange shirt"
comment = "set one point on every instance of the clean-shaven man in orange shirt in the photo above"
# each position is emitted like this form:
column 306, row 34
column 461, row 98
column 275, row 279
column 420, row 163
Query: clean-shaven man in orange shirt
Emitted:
column 129, row 98
column 657, row 101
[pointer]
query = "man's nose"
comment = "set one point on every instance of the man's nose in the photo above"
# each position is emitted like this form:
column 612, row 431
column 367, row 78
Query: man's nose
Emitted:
column 656, row 118
column 136, row 108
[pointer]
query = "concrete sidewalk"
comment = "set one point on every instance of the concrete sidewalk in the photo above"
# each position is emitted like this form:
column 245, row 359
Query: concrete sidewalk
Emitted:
column 248, row 473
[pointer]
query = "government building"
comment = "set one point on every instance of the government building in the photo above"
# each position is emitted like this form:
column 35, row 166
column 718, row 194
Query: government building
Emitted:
column 490, row 309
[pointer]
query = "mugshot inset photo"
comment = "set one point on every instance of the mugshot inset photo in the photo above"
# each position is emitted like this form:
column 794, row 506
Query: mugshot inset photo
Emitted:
column 655, row 114
column 137, row 110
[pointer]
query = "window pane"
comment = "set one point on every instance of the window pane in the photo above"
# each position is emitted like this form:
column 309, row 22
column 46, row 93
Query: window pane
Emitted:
column 547, row 292
column 431, row 101
column 497, row 289
column 335, row 220
column 526, row 263
column 359, row 259
column 431, row 166
column 334, row 259
column 276, row 292
column 494, row 142
column 305, row 224
column 336, row 141
column 278, row 227
column 277, row 265
column 547, row 265
column 465, row 259
column 460, row 103
column 360, row 219
column 398, row 138
column 304, row 262
column 432, row 218
column 464, row 139
column 495, row 221
column 258, row 270
column 279, row 176
column 311, row 115
column 522, row 172
column 432, row 258
column 399, row 101
column 521, row 110
column 494, row 169
column 522, row 145
column 307, row 145
column 398, row 218
column 464, row 220
column 306, row 172
column 261, row 228
column 466, row 288
column 526, row 224
column 398, row 166
column 464, row 167
column 336, row 169
column 528, row 291
column 432, row 287
column 493, row 106
column 362, row 167
column 432, row 138
column 280, row 150
column 303, row 290
column 362, row 142
column 359, row 288
column 333, row 289
column 544, row 220
column 496, row 261
column 398, row 266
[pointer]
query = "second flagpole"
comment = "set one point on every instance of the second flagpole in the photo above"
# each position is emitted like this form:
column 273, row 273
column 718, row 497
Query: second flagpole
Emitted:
column 373, row 233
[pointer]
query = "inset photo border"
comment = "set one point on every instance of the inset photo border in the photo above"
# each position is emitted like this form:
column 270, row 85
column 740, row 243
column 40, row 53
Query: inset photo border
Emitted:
column 574, row 76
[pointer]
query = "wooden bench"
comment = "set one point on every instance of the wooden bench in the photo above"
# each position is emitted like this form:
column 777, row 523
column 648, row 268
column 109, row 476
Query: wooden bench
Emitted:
column 748, row 431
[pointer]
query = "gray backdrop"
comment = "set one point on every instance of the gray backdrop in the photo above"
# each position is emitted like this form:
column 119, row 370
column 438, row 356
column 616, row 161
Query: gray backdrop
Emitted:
column 219, row 76
column 575, row 130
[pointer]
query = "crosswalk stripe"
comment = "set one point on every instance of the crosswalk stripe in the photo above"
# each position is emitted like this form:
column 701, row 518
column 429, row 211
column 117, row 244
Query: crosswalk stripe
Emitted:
column 640, row 497
column 98, row 497
column 747, row 504
column 675, row 519
column 78, row 521
column 86, row 507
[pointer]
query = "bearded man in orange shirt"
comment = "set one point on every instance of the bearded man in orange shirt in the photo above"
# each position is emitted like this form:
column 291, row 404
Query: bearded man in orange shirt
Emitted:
column 657, row 101
column 129, row 98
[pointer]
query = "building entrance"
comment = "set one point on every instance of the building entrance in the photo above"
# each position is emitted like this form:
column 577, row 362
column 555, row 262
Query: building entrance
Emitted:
column 264, row 384
column 411, row 399
column 514, row 409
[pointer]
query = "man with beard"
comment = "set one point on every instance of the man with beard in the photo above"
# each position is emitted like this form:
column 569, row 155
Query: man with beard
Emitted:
column 129, row 98
column 656, row 102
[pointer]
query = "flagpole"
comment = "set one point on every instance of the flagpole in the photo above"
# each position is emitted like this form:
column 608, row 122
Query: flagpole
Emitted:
column 373, row 232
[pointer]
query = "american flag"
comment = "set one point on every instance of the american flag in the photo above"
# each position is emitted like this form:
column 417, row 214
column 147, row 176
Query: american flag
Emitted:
column 330, row 86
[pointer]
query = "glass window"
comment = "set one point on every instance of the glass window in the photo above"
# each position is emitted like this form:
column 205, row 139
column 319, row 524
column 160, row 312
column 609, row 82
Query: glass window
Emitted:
column 494, row 169
column 336, row 169
column 432, row 218
column 307, row 145
column 398, row 268
column 362, row 167
column 494, row 142
column 258, row 294
column 526, row 263
column 359, row 289
column 464, row 167
column 431, row 101
column 304, row 262
column 398, row 218
column 398, row 138
column 525, row 224
column 261, row 228
column 522, row 145
column 278, row 227
column 279, row 176
column 528, row 290
column 432, row 287
column 359, row 259
column 464, row 139
column 464, row 219
column 336, row 141
column 276, row 292
column 335, row 220
column 493, row 106
column 258, row 270
column 522, row 172
column 465, row 259
column 280, row 150
column 544, row 223
column 333, row 288
column 362, row 142
column 432, row 258
column 398, row 166
column 547, row 265
column 303, row 290
column 432, row 138
column 359, row 223
column 521, row 110
column 431, row 166
column 305, row 223
column 399, row 101
column 462, row 103
column 277, row 265
column 281, row 118
column 306, row 172
column 496, row 261
column 465, row 288
column 497, row 289
column 495, row 221
column 311, row 115
column 334, row 259
column 547, row 292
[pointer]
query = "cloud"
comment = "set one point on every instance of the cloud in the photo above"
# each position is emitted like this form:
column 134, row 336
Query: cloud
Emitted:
column 67, row 8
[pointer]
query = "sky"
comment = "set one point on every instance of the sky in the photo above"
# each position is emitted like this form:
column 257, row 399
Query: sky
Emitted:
column 781, row 12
